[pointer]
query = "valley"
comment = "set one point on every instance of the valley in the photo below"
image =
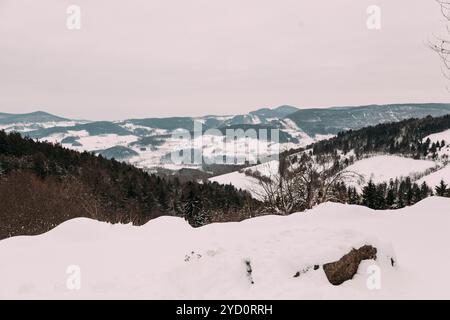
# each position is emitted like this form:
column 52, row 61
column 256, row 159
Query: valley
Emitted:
column 92, row 187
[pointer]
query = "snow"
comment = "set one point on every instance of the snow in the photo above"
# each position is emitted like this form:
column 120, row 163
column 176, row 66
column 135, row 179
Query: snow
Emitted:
column 378, row 168
column 291, row 127
column 167, row 259
column 133, row 127
column 213, row 148
column 435, row 178
column 31, row 126
column 383, row 168
column 266, row 169
column 255, row 119
column 242, row 181
column 101, row 141
column 319, row 137
column 438, row 137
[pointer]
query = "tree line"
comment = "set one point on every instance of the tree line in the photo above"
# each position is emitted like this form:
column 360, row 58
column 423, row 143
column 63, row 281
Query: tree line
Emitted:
column 43, row 184
column 404, row 137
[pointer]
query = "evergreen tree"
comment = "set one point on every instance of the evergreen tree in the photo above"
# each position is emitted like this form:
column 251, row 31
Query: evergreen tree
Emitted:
column 441, row 189
column 390, row 199
column 369, row 195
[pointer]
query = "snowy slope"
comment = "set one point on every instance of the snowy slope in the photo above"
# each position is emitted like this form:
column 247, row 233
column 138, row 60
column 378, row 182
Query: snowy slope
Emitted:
column 435, row 178
column 438, row 137
column 245, row 182
column 239, row 180
column 383, row 168
column 122, row 261
column 378, row 169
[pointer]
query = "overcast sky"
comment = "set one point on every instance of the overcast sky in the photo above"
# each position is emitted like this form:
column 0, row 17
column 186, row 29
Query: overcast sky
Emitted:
column 148, row 58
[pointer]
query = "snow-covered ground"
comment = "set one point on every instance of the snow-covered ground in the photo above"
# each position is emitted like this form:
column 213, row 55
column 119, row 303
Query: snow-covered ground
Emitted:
column 435, row 178
column 86, row 142
column 246, row 182
column 213, row 147
column 292, row 128
column 166, row 258
column 438, row 137
column 378, row 169
column 383, row 168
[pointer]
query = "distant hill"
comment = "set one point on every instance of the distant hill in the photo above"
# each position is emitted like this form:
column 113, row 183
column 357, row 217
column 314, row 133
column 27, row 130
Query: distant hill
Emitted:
column 118, row 152
column 297, row 128
column 33, row 117
column 334, row 120
column 279, row 112
column 93, row 128
column 405, row 137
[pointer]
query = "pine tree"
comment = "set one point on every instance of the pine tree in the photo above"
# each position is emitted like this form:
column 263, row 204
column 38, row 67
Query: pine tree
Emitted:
column 194, row 211
column 425, row 190
column 369, row 195
column 390, row 199
column 380, row 201
column 441, row 189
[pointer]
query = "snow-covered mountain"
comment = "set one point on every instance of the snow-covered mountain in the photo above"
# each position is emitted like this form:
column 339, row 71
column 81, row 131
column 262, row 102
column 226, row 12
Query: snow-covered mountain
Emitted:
column 34, row 117
column 378, row 167
column 336, row 119
column 147, row 143
column 269, row 257
column 33, row 121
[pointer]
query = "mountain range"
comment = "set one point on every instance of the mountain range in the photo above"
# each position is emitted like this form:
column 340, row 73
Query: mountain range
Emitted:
column 147, row 142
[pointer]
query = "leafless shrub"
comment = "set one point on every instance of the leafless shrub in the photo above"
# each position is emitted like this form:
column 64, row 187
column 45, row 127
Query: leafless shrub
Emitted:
column 300, row 186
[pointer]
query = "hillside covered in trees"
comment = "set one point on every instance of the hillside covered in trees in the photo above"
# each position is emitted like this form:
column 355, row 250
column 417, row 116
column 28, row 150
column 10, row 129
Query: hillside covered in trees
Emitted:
column 404, row 137
column 42, row 185
column 319, row 172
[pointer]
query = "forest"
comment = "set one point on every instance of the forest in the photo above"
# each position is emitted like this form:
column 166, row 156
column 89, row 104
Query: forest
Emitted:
column 43, row 184
column 403, row 137
column 318, row 173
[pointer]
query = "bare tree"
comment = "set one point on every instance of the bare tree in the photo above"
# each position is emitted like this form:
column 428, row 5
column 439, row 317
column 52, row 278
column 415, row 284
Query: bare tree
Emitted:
column 301, row 185
column 441, row 44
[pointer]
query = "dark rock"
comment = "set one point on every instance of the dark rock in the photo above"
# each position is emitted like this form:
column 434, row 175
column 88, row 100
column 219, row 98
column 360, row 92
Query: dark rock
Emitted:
column 305, row 270
column 248, row 264
column 340, row 271
column 392, row 262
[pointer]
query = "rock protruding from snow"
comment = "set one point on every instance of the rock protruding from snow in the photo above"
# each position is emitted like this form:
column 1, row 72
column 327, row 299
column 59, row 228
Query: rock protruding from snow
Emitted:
column 149, row 262
column 345, row 268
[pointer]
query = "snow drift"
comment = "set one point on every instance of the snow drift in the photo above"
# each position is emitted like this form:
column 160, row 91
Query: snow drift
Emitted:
column 166, row 258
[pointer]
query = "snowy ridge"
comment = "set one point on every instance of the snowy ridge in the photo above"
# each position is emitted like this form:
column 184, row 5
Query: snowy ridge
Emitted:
column 209, row 262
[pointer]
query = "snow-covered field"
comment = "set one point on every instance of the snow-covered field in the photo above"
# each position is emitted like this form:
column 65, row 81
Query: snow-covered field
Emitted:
column 378, row 169
column 245, row 182
column 98, row 142
column 438, row 137
column 383, row 168
column 122, row 261
column 435, row 178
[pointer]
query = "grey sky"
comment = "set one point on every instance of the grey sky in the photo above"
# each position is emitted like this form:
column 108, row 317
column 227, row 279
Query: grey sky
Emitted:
column 147, row 58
